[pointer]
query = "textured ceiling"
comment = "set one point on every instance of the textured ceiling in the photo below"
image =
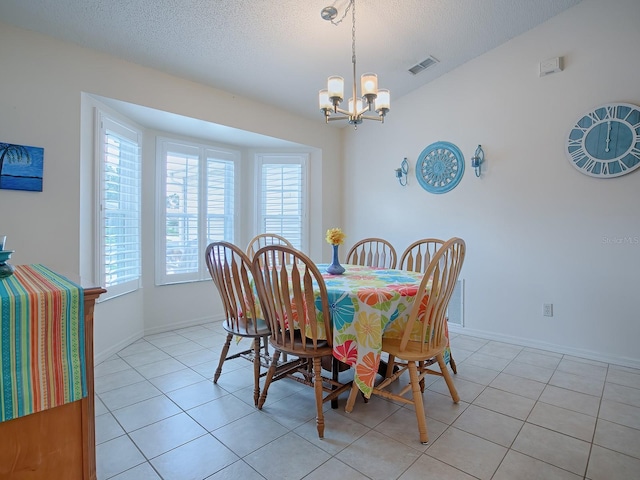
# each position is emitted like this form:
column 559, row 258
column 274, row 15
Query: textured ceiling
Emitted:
column 281, row 52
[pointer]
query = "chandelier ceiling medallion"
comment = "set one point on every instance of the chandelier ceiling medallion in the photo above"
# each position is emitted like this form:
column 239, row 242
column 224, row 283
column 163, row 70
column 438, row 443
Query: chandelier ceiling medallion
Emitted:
column 372, row 98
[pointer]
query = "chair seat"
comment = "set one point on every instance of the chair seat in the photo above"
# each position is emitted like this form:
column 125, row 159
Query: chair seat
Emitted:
column 245, row 328
column 413, row 352
column 296, row 348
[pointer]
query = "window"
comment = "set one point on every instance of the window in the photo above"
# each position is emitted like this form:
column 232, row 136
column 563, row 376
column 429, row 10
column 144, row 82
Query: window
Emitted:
column 196, row 194
column 282, row 198
column 119, row 238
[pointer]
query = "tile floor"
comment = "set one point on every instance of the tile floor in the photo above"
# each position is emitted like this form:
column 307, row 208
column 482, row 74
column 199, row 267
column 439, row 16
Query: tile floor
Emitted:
column 523, row 414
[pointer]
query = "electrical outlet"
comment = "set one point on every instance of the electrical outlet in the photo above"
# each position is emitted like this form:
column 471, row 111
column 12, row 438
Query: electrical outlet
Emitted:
column 547, row 309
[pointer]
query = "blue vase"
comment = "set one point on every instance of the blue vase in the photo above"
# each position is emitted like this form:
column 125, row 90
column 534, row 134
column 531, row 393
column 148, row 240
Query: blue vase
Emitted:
column 335, row 268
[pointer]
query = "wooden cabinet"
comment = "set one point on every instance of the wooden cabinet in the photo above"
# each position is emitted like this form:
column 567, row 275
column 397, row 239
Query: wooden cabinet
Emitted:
column 58, row 443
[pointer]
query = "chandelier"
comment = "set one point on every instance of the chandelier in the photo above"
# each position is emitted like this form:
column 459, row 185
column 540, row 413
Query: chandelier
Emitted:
column 372, row 98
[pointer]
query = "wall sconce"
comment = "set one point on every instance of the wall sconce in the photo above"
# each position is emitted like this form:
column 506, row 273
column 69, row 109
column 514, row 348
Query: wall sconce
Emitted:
column 477, row 159
column 402, row 171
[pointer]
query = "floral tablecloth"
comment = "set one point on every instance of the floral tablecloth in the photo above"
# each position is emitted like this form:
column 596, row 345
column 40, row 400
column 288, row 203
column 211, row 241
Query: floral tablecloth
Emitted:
column 367, row 303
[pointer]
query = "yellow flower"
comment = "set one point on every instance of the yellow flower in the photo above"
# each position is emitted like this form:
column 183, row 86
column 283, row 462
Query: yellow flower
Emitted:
column 335, row 236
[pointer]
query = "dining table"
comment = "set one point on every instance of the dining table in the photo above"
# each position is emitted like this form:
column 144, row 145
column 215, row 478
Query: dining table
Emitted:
column 366, row 305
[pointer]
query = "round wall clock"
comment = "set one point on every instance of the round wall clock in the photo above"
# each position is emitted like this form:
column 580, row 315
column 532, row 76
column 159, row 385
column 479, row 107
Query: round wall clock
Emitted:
column 440, row 167
column 605, row 142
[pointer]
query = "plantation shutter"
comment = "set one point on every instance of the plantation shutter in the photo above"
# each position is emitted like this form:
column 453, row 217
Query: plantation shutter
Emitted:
column 120, row 198
column 282, row 198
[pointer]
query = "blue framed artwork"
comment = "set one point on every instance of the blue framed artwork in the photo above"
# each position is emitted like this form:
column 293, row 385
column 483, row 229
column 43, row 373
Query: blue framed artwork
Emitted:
column 440, row 167
column 21, row 167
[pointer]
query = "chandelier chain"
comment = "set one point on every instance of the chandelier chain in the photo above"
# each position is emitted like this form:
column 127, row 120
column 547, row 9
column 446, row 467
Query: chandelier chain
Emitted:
column 353, row 33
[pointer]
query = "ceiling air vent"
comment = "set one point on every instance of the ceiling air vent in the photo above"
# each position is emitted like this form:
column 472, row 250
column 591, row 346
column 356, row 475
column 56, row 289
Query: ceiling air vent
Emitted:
column 423, row 65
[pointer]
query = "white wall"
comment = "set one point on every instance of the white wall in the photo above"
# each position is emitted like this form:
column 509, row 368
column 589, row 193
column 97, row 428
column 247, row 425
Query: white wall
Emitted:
column 535, row 227
column 41, row 88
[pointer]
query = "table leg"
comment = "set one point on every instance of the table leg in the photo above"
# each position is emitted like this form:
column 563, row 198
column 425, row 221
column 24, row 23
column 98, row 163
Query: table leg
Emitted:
column 335, row 368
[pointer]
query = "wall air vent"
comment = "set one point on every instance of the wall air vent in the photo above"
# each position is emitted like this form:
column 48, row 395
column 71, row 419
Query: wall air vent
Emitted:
column 423, row 65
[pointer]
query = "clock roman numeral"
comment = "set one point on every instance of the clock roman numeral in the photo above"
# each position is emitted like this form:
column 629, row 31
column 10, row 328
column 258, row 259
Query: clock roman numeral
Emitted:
column 577, row 154
column 631, row 160
column 590, row 165
column 629, row 112
column 611, row 112
column 593, row 117
column 574, row 142
column 579, row 128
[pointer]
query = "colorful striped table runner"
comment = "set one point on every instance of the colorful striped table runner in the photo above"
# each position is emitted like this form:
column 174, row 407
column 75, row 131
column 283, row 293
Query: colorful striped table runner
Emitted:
column 42, row 358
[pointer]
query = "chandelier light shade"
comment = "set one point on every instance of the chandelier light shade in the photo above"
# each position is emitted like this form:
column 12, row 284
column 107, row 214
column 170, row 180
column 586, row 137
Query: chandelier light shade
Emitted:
column 371, row 97
column 335, row 87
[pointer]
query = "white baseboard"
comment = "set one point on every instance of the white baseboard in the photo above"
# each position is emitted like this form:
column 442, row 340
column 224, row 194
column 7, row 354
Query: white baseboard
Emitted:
column 524, row 342
column 99, row 357
column 183, row 324
column 112, row 350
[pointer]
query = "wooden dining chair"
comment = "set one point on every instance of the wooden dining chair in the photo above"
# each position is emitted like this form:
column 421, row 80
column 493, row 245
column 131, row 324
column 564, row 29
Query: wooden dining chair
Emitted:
column 264, row 239
column 372, row 252
column 423, row 335
column 293, row 297
column 230, row 270
column 416, row 258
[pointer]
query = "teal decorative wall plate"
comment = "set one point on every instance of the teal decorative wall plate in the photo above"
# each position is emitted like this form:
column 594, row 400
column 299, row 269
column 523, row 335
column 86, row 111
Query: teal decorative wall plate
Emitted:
column 440, row 167
column 605, row 142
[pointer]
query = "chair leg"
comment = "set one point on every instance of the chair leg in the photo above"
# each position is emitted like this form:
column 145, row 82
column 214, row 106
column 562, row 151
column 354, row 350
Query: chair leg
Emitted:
column 352, row 398
column 269, row 377
column 452, row 362
column 223, row 356
column 418, row 403
column 448, row 379
column 256, row 370
column 421, row 369
column 317, row 385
